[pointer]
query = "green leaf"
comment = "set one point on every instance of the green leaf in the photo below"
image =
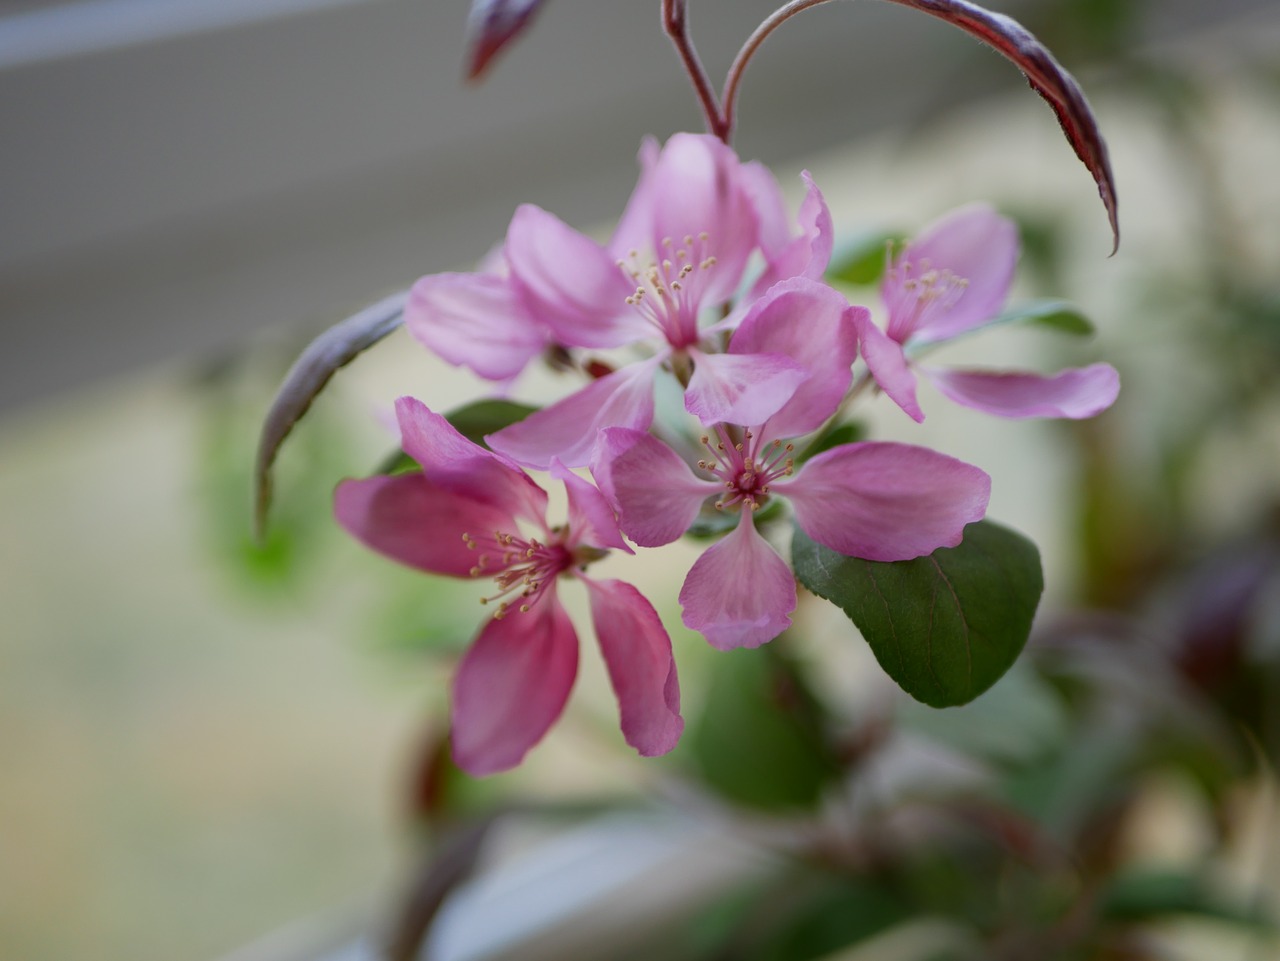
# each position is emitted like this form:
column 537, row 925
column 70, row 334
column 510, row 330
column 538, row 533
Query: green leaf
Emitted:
column 1056, row 314
column 472, row 421
column 759, row 739
column 861, row 260
column 945, row 626
column 1144, row 895
column 849, row 433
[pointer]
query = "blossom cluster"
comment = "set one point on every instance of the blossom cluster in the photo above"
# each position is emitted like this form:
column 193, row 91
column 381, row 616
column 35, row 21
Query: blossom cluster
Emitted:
column 708, row 283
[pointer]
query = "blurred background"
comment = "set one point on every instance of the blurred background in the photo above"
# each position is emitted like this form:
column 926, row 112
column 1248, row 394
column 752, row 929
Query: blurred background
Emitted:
column 203, row 741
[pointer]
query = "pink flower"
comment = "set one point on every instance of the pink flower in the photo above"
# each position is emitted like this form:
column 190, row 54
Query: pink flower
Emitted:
column 879, row 501
column 676, row 259
column 950, row 280
column 462, row 516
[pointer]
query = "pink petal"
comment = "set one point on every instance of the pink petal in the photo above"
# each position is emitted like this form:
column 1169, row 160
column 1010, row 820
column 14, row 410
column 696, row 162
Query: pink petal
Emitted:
column 697, row 188
column 453, row 463
column 591, row 518
column 635, row 227
column 808, row 254
column 814, row 326
column 476, row 321
column 888, row 365
column 637, row 653
column 569, row 282
column 974, row 243
column 740, row 388
column 886, row 501
column 567, row 429
column 656, row 493
column 511, row 686
column 1076, row 393
column 770, row 206
column 403, row 517
column 739, row 593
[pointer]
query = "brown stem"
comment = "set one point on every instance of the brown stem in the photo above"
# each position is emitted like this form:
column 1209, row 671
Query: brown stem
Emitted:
column 675, row 23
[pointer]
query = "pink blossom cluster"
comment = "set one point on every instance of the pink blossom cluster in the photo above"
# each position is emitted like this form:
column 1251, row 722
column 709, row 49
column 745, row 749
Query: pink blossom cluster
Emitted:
column 707, row 283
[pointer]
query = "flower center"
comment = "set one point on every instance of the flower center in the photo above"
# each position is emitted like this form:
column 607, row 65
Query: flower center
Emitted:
column 668, row 290
column 746, row 467
column 921, row 293
column 521, row 568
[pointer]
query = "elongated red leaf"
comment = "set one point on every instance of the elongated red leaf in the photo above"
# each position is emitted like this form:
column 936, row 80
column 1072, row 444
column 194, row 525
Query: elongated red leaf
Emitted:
column 335, row 348
column 493, row 24
column 1047, row 78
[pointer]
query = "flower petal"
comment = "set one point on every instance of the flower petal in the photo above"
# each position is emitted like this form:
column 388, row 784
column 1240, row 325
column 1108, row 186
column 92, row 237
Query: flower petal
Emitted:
column 476, row 321
column 403, row 517
column 567, row 429
column 569, row 282
column 808, row 254
column 814, row 326
column 740, row 388
column 886, row 501
column 511, row 686
column 453, row 463
column 655, row 492
column 591, row 518
column 634, row 230
column 888, row 365
column 1076, row 392
column 637, row 653
column 975, row 244
column 739, row 593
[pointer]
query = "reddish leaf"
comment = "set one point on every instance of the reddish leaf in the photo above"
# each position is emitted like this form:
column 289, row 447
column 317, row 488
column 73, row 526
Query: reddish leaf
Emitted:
column 491, row 26
column 335, row 348
column 1047, row 78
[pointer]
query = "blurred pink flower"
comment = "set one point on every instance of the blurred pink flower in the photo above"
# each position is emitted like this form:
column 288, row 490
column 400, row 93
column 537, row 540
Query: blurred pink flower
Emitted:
column 461, row 516
column 951, row 279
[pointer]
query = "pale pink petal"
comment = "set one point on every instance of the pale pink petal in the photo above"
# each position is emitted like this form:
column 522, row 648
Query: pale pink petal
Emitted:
column 453, row 463
column 814, row 326
column 886, row 501
column 567, row 429
column 637, row 653
column 403, row 517
column 511, row 686
column 569, row 282
column 697, row 189
column 635, row 227
column 591, row 518
column 808, row 254
column 888, row 365
column 976, row 245
column 476, row 321
column 1076, row 393
column 739, row 593
column 771, row 208
column 656, row 493
column 740, row 388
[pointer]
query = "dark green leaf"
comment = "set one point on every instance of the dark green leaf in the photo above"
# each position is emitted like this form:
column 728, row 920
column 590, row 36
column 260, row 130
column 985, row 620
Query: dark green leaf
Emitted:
column 861, row 261
column 475, row 420
column 945, row 626
column 335, row 348
column 759, row 739
column 849, row 433
column 1150, row 894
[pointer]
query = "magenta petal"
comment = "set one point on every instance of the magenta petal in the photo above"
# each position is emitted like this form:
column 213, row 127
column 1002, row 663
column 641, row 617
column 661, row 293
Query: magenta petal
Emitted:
column 569, row 282
column 886, row 501
column 591, row 518
column 814, row 326
column 476, row 321
column 888, row 365
column 637, row 653
column 511, row 686
column 403, row 517
column 973, row 243
column 567, row 429
column 740, row 388
column 739, row 593
column 656, row 493
column 1076, row 393
column 453, row 463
